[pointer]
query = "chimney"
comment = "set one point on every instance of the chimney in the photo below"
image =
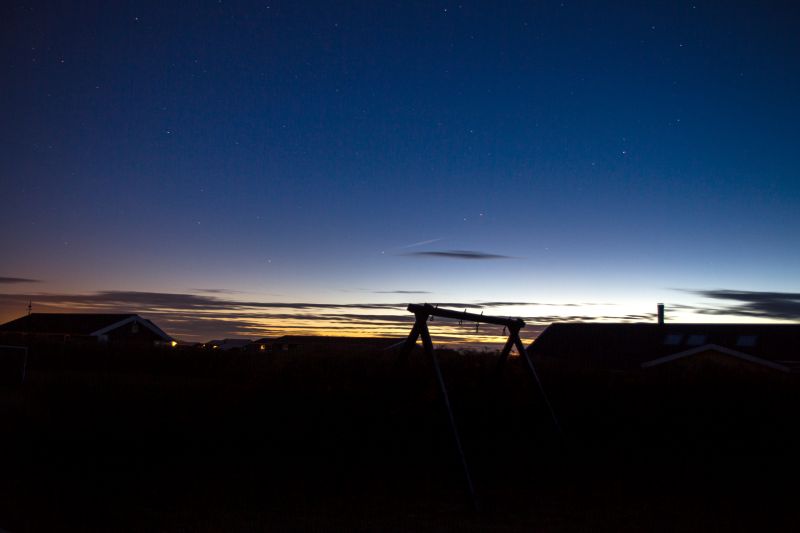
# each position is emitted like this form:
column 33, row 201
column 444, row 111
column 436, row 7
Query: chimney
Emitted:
column 660, row 314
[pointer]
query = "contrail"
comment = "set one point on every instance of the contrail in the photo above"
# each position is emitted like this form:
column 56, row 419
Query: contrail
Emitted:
column 420, row 243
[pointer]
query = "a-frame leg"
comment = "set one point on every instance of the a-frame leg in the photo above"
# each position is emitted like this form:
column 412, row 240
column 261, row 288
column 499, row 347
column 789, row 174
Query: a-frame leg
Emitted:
column 427, row 343
column 411, row 340
column 524, row 354
column 506, row 349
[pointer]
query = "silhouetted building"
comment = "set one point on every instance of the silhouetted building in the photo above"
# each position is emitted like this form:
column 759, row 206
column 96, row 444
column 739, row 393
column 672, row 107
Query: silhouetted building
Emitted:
column 621, row 347
column 126, row 328
column 225, row 345
column 298, row 343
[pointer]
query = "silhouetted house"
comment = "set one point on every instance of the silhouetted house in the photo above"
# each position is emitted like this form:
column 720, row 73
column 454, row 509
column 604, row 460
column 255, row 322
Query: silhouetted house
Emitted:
column 643, row 347
column 310, row 343
column 225, row 345
column 126, row 328
column 686, row 388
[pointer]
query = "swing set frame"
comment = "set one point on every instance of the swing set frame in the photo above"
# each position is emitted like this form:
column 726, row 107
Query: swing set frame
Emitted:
column 423, row 313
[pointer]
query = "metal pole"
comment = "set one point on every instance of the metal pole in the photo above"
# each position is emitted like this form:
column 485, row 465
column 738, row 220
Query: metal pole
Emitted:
column 428, row 344
column 524, row 354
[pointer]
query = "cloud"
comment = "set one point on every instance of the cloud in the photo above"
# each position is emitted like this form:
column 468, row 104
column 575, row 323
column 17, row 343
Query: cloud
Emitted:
column 217, row 315
column 401, row 292
column 216, row 291
column 458, row 254
column 18, row 280
column 506, row 304
column 757, row 304
column 166, row 301
column 200, row 317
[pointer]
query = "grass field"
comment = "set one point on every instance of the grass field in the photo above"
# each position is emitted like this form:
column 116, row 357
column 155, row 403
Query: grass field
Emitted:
column 201, row 441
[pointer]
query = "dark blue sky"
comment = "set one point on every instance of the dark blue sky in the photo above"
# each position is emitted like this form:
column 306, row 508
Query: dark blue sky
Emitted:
column 302, row 151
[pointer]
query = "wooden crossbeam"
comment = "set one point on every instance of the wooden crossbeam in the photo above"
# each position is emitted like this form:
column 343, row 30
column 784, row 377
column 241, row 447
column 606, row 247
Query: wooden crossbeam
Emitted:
column 429, row 310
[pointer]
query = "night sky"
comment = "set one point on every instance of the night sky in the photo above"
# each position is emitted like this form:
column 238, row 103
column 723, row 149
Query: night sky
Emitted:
column 250, row 169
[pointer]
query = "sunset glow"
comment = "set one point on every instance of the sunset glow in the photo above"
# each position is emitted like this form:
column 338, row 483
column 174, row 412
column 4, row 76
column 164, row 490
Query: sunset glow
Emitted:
column 326, row 166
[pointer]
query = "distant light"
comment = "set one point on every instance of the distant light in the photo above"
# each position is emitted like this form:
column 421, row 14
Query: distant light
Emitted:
column 262, row 347
column 173, row 343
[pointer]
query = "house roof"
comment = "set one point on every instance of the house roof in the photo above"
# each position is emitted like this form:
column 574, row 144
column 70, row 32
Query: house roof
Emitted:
column 718, row 349
column 64, row 323
column 627, row 346
column 76, row 323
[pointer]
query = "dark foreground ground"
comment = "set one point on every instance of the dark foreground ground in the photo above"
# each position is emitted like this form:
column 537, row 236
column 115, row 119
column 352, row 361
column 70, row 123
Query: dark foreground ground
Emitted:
column 183, row 441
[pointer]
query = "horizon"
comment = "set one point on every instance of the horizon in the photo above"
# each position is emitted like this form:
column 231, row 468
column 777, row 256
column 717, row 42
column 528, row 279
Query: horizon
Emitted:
column 251, row 169
column 191, row 324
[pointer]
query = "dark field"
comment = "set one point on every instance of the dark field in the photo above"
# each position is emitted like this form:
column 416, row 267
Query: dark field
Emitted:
column 203, row 441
